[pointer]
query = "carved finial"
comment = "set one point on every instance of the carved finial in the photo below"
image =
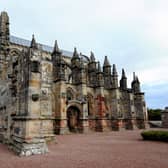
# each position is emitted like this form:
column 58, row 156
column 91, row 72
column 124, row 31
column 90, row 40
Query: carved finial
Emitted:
column 75, row 53
column 134, row 77
column 56, row 48
column 106, row 62
column 114, row 70
column 92, row 57
column 135, row 84
column 4, row 16
column 99, row 67
column 137, row 80
column 123, row 74
column 33, row 43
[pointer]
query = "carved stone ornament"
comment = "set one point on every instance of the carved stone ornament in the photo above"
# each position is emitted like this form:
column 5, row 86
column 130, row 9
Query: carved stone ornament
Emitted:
column 35, row 97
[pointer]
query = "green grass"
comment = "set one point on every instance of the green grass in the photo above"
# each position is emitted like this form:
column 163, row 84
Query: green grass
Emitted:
column 155, row 135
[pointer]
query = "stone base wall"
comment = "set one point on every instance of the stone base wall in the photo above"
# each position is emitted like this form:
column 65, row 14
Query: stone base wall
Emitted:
column 165, row 124
column 60, row 126
column 101, row 125
column 83, row 126
column 165, row 118
column 92, row 124
column 140, row 123
column 2, row 137
column 27, row 149
column 128, row 124
column 115, row 125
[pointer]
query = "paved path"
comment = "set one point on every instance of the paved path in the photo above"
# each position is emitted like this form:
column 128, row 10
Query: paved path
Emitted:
column 123, row 149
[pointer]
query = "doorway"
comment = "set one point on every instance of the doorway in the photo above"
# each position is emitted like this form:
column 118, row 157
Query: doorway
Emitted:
column 73, row 115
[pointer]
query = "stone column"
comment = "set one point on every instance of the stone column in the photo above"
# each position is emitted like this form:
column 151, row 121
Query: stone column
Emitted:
column 82, row 92
column 115, row 109
column 101, row 121
column 59, row 105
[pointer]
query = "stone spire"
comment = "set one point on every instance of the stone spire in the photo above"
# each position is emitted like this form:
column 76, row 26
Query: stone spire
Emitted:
column 100, row 79
column 134, row 77
column 99, row 67
column 56, row 49
column 107, row 73
column 4, row 29
column 114, row 77
column 135, row 84
column 33, row 43
column 123, row 81
column 75, row 54
column 106, row 62
column 114, row 70
column 92, row 57
column 137, row 80
column 123, row 74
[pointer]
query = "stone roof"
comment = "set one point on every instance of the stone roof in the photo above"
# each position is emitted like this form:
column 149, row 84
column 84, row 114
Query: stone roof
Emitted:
column 24, row 42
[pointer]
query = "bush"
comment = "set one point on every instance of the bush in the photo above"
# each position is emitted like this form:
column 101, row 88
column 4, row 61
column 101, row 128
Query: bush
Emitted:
column 155, row 135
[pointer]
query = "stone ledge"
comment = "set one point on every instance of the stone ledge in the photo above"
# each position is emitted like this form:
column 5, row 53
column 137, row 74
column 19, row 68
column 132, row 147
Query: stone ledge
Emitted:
column 32, row 118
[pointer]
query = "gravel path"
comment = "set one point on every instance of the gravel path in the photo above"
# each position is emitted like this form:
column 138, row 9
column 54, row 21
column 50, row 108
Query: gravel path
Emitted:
column 124, row 149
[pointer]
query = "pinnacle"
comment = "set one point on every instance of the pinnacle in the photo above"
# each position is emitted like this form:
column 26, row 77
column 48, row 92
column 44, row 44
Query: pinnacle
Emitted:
column 134, row 77
column 99, row 67
column 33, row 43
column 92, row 57
column 56, row 48
column 75, row 53
column 114, row 70
column 106, row 62
column 123, row 74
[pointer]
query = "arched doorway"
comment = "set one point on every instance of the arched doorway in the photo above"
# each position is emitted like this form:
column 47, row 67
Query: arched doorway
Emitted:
column 73, row 115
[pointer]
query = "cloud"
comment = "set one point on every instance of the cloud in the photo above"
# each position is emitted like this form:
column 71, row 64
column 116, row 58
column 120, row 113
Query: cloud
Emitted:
column 133, row 33
column 155, row 95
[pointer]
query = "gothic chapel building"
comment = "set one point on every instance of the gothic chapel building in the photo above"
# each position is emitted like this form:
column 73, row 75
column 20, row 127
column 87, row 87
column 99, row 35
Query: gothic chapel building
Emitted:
column 46, row 91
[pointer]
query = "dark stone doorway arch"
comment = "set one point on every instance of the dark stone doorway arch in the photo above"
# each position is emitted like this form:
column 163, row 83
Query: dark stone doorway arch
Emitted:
column 73, row 115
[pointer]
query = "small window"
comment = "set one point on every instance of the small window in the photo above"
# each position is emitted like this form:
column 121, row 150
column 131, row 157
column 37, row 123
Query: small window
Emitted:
column 35, row 66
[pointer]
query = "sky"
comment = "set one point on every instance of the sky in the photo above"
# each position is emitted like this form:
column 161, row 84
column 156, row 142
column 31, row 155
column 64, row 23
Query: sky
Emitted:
column 132, row 33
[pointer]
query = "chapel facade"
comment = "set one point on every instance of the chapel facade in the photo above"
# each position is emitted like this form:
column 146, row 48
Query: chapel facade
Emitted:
column 46, row 91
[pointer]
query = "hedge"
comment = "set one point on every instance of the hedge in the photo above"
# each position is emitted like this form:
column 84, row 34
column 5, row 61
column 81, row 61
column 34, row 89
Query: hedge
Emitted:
column 155, row 135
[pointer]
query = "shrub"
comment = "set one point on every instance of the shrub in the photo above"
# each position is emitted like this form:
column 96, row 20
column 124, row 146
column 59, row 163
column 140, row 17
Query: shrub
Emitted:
column 155, row 135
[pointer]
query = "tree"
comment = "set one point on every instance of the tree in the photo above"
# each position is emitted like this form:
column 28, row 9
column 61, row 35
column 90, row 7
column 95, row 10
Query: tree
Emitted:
column 154, row 114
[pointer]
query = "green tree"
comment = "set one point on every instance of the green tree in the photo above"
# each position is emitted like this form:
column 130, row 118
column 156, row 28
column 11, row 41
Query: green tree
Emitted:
column 154, row 114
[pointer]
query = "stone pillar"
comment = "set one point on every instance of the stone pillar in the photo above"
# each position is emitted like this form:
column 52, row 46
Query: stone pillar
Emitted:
column 59, row 107
column 129, row 110
column 101, row 121
column 165, row 118
column 115, row 109
column 140, row 110
column 28, row 135
column 82, row 92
